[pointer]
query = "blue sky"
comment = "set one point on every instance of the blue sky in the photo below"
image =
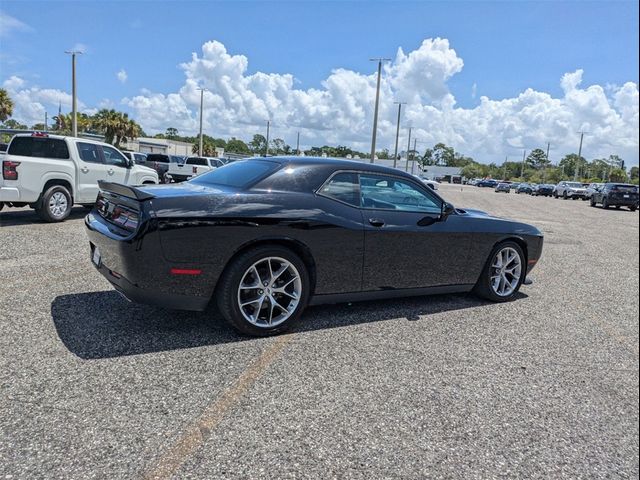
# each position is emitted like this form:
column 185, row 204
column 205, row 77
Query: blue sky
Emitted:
column 506, row 47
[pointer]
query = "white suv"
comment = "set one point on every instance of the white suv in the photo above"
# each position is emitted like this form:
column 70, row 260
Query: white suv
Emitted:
column 50, row 173
column 571, row 190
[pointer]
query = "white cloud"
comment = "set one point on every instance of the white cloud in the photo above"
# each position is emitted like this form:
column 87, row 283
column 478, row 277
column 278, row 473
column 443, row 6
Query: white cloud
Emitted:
column 122, row 75
column 30, row 103
column 340, row 111
column 9, row 24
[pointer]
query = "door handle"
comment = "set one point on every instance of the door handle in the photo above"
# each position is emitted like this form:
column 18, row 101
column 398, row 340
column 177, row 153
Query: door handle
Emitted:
column 376, row 222
column 84, row 170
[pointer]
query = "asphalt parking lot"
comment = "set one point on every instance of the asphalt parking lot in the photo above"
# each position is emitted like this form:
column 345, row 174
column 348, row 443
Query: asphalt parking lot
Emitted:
column 445, row 386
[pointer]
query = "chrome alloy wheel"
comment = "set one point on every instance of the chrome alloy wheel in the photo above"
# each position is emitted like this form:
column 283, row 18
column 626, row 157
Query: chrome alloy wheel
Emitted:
column 506, row 270
column 58, row 204
column 269, row 292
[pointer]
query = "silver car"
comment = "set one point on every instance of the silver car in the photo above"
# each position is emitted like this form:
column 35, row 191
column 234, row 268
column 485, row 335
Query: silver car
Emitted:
column 571, row 190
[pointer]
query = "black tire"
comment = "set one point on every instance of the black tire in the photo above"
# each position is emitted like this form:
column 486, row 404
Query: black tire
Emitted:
column 227, row 290
column 605, row 203
column 633, row 208
column 564, row 195
column 483, row 286
column 1, row 206
column 48, row 213
column 555, row 194
column 592, row 202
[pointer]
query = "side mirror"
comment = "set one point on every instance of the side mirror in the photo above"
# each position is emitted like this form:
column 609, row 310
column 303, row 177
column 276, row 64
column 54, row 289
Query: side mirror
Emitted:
column 130, row 163
column 447, row 209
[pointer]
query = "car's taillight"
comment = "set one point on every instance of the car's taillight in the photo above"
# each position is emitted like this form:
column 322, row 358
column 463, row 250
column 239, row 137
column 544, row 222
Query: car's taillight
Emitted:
column 9, row 170
column 127, row 219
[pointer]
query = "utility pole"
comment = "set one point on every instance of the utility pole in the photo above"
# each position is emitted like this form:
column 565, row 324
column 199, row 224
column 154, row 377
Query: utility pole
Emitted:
column 74, row 95
column 298, row 145
column 544, row 167
column 266, row 154
column 406, row 167
column 577, row 169
column 524, row 155
column 46, row 120
column 201, row 105
column 395, row 153
column 413, row 156
column 375, row 112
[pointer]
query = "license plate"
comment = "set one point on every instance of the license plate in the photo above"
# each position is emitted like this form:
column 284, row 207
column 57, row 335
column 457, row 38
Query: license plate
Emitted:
column 95, row 258
column 626, row 196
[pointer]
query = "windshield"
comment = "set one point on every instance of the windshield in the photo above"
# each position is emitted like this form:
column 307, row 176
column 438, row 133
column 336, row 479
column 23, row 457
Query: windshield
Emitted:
column 625, row 188
column 574, row 185
column 237, row 174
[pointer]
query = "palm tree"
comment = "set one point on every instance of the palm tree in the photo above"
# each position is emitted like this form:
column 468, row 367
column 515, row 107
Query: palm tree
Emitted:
column 106, row 121
column 6, row 105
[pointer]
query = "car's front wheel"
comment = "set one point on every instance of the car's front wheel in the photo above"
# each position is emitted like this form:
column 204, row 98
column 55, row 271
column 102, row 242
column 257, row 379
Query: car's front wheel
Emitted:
column 264, row 291
column 605, row 203
column 592, row 202
column 503, row 273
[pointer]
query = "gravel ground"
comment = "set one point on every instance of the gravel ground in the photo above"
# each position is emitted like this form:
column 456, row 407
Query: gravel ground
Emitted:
column 447, row 386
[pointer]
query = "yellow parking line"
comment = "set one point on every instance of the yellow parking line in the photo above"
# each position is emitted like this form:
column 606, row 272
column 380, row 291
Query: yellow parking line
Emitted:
column 198, row 431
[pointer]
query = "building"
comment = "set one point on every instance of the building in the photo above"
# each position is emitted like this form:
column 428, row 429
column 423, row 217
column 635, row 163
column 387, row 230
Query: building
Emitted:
column 159, row 145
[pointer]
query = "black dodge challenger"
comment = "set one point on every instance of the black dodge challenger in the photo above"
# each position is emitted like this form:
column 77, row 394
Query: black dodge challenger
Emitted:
column 265, row 237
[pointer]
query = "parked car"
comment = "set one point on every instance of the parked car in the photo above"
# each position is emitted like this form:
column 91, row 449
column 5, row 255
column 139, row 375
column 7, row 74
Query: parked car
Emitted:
column 50, row 173
column 433, row 184
column 179, row 172
column 266, row 237
column 514, row 185
column 524, row 188
column 543, row 190
column 616, row 195
column 139, row 158
column 592, row 188
column 503, row 187
column 489, row 183
column 160, row 163
column 573, row 190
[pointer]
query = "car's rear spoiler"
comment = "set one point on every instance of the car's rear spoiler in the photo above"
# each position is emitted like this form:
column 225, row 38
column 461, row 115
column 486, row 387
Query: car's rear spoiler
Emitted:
column 124, row 190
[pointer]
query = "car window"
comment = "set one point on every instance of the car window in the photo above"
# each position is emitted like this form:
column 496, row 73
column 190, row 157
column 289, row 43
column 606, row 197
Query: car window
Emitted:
column 39, row 147
column 113, row 157
column 344, row 187
column 391, row 193
column 196, row 161
column 89, row 152
column 237, row 174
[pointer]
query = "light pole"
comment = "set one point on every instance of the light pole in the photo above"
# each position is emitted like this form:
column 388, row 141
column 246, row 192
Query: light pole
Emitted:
column 524, row 154
column 201, row 107
column 46, row 121
column 74, row 96
column 266, row 154
column 544, row 167
column 395, row 153
column 375, row 112
column 576, row 170
column 406, row 167
column 298, row 145
column 413, row 156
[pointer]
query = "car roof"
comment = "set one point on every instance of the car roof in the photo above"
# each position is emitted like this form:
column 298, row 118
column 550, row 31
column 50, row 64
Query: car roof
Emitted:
column 337, row 163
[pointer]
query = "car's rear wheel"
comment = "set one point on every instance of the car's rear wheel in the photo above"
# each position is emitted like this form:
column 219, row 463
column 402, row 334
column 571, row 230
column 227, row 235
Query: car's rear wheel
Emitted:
column 503, row 273
column 564, row 195
column 55, row 204
column 264, row 291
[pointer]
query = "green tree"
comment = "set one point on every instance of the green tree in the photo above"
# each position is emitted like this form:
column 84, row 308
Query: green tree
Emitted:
column 237, row 146
column 15, row 125
column 6, row 105
column 617, row 175
column 633, row 173
column 537, row 159
column 258, row 144
column 570, row 162
column 171, row 133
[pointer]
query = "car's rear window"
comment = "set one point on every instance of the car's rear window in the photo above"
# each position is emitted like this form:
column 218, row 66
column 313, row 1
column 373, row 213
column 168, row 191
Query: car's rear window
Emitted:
column 196, row 161
column 154, row 157
column 237, row 174
column 39, row 147
column 625, row 188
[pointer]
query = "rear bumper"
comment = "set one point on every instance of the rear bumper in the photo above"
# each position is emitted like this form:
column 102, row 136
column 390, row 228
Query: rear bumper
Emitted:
column 623, row 202
column 9, row 194
column 136, row 268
